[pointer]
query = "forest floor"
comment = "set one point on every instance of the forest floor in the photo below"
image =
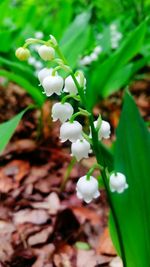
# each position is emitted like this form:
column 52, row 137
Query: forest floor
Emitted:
column 42, row 223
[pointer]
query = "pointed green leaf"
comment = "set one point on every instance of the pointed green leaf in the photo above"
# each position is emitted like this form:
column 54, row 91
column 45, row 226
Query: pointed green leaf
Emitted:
column 132, row 207
column 7, row 128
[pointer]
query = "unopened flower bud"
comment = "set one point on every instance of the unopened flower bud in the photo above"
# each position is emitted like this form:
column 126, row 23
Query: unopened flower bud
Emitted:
column 46, row 52
column 80, row 149
column 104, row 131
column 52, row 84
column 87, row 189
column 118, row 182
column 22, row 53
column 62, row 112
column 70, row 131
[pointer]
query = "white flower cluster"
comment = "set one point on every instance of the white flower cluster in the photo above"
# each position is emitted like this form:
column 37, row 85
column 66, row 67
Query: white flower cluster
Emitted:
column 71, row 129
column 115, row 36
column 87, row 60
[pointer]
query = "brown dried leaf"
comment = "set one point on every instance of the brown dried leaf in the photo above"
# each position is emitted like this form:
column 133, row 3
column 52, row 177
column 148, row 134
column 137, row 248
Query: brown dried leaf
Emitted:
column 30, row 216
column 17, row 169
column 51, row 203
column 40, row 237
column 7, row 184
column 89, row 258
column 105, row 245
column 6, row 249
column 44, row 256
column 62, row 260
column 85, row 213
column 116, row 262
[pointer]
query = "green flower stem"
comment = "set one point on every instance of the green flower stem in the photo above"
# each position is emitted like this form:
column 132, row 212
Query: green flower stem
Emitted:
column 92, row 169
column 67, row 173
column 100, row 160
column 33, row 41
column 66, row 97
column 74, row 116
column 55, row 70
column 87, row 138
column 80, row 89
column 81, row 112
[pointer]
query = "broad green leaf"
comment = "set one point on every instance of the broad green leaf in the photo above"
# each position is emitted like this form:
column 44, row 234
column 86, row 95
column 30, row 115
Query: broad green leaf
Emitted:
column 5, row 43
column 33, row 91
column 75, row 38
column 123, row 76
column 105, row 73
column 19, row 68
column 8, row 128
column 132, row 207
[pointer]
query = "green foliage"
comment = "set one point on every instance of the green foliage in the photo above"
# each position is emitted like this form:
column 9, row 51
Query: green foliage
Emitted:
column 132, row 155
column 7, row 128
column 33, row 91
column 78, row 30
column 109, row 72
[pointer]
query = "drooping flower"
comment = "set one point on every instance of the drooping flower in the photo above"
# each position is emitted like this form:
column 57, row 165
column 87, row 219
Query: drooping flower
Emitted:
column 118, row 182
column 46, row 52
column 104, row 131
column 70, row 86
column 80, row 149
column 42, row 74
column 87, row 189
column 93, row 57
column 62, row 112
column 52, row 84
column 98, row 49
column 70, row 131
column 86, row 60
column 22, row 53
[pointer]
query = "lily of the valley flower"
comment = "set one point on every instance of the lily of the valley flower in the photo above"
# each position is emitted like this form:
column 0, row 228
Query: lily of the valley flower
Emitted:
column 42, row 74
column 87, row 189
column 70, row 86
column 104, row 131
column 71, row 131
column 80, row 149
column 118, row 182
column 53, row 84
column 46, row 52
column 62, row 112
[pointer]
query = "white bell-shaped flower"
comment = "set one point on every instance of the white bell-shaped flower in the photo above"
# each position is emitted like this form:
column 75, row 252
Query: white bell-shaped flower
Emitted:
column 93, row 57
column 86, row 61
column 46, row 52
column 53, row 84
column 98, row 49
column 70, row 86
column 62, row 112
column 42, row 74
column 87, row 189
column 80, row 149
column 70, row 131
column 118, row 182
column 104, row 131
